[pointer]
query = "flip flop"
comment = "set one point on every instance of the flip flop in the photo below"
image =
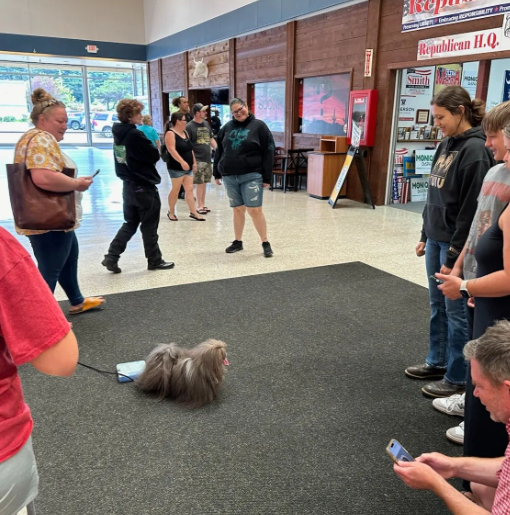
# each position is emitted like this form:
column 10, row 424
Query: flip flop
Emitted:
column 206, row 209
column 202, row 211
column 88, row 304
column 174, row 219
column 195, row 217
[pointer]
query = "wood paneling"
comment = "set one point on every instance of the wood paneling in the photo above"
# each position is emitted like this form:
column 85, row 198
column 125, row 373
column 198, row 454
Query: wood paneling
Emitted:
column 260, row 57
column 216, row 56
column 327, row 44
column 156, row 95
column 173, row 70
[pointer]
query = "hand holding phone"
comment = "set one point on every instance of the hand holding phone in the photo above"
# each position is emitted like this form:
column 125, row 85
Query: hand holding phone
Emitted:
column 435, row 279
column 397, row 452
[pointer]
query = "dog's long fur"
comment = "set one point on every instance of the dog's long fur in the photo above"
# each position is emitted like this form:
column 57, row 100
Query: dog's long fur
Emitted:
column 191, row 376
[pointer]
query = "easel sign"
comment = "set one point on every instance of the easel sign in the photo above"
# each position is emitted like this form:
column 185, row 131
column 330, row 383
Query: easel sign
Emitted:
column 354, row 153
column 341, row 178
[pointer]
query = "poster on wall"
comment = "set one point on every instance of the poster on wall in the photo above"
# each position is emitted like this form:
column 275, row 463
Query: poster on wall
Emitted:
column 506, row 87
column 423, row 161
column 418, row 81
column 470, row 78
column 407, row 110
column 447, row 75
column 423, row 14
column 269, row 104
column 325, row 101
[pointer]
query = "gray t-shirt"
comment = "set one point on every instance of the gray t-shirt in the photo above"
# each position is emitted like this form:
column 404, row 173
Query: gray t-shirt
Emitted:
column 493, row 197
column 200, row 135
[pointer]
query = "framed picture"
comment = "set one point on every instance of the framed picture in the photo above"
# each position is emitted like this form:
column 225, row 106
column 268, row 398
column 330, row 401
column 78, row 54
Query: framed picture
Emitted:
column 422, row 116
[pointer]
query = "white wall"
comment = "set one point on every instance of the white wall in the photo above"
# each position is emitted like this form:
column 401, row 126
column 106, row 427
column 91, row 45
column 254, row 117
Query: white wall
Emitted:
column 166, row 17
column 118, row 21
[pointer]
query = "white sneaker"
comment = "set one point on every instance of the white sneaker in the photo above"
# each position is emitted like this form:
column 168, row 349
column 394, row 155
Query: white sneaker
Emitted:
column 456, row 434
column 453, row 405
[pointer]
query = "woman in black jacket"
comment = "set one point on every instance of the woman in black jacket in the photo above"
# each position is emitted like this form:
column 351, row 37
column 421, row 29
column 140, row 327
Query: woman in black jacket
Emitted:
column 459, row 167
column 244, row 160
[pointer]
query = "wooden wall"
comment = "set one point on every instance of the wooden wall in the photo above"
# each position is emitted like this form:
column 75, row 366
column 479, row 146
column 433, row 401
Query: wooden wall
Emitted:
column 331, row 43
column 173, row 73
column 216, row 57
column 261, row 57
column 398, row 50
column 154, row 73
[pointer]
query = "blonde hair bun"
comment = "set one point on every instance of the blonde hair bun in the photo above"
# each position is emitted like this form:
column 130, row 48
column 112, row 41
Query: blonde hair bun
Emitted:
column 40, row 95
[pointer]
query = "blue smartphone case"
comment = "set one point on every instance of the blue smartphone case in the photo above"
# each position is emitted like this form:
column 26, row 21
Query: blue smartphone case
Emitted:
column 131, row 369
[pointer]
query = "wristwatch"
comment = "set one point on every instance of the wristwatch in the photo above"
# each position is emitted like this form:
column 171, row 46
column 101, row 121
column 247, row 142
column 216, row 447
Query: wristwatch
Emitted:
column 463, row 290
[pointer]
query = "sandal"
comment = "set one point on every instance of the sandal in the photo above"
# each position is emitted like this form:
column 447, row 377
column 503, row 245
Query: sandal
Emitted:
column 206, row 209
column 88, row 304
column 202, row 211
column 197, row 218
column 172, row 218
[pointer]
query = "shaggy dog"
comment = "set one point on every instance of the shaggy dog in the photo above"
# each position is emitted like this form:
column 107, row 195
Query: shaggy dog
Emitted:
column 191, row 376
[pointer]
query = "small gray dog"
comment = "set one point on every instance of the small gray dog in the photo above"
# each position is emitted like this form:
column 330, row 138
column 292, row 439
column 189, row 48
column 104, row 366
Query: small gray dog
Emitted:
column 191, row 376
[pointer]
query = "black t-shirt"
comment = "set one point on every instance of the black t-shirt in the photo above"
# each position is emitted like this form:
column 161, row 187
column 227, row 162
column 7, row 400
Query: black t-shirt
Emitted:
column 184, row 148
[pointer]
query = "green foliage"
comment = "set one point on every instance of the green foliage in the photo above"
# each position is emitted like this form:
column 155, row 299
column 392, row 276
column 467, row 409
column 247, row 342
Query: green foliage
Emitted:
column 9, row 118
column 54, row 86
column 110, row 92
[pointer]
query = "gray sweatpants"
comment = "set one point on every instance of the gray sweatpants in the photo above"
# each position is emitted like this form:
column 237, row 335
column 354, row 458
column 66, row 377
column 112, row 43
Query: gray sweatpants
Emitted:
column 18, row 480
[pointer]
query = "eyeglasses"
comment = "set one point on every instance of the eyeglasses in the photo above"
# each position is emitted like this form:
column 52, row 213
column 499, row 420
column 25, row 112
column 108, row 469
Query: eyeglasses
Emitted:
column 237, row 111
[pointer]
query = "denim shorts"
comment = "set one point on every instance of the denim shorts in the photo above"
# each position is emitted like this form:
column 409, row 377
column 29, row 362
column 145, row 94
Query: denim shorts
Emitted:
column 177, row 174
column 244, row 190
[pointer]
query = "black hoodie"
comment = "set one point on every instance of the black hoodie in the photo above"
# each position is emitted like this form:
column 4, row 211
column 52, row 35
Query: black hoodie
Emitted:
column 135, row 156
column 244, row 147
column 458, row 170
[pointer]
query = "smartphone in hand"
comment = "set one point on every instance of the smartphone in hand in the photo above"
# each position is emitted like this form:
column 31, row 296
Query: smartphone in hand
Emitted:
column 435, row 279
column 397, row 452
column 95, row 173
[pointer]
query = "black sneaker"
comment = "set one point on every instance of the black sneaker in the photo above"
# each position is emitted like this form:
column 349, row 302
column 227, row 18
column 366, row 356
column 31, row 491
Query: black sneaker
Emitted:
column 110, row 265
column 164, row 265
column 236, row 246
column 268, row 251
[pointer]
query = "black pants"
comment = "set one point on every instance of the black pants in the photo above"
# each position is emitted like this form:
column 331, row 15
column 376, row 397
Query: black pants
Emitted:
column 142, row 207
column 483, row 437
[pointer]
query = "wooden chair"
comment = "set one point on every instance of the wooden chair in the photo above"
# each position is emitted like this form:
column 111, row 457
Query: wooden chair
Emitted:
column 279, row 166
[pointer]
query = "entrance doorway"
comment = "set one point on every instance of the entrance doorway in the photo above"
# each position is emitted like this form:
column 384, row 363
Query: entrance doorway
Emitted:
column 215, row 98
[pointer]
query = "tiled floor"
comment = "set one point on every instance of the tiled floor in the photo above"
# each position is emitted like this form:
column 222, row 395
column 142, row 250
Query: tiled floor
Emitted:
column 304, row 232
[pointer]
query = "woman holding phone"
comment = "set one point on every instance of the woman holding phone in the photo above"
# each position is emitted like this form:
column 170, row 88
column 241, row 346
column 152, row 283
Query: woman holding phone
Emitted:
column 56, row 252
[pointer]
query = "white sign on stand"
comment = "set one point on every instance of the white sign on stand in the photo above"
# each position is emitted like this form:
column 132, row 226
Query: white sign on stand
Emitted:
column 356, row 135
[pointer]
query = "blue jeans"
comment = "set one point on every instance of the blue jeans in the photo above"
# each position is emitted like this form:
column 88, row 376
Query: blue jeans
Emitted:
column 448, row 323
column 57, row 259
column 244, row 190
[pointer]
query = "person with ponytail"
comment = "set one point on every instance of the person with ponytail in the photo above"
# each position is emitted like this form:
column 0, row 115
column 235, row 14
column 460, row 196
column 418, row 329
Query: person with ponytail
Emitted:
column 458, row 169
column 56, row 251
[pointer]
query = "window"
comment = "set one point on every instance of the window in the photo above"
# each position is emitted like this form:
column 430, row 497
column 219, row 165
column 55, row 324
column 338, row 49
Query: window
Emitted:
column 268, row 104
column 323, row 104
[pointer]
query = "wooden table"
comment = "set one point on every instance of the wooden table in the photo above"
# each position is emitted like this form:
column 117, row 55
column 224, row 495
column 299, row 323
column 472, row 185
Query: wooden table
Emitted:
column 323, row 171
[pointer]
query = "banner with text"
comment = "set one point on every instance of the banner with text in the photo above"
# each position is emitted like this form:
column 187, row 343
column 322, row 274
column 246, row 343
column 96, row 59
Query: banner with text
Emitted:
column 491, row 40
column 423, row 14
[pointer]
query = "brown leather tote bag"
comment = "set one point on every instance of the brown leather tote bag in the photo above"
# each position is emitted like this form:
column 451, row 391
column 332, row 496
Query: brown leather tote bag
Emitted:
column 37, row 209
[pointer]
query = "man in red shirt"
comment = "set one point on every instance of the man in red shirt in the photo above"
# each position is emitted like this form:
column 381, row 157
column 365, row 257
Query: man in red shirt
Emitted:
column 490, row 477
column 33, row 330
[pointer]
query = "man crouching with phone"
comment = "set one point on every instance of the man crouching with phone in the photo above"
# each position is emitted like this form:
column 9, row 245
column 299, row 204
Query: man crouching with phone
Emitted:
column 490, row 477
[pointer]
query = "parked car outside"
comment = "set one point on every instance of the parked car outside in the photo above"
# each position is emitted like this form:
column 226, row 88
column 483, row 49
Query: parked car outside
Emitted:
column 102, row 122
column 74, row 121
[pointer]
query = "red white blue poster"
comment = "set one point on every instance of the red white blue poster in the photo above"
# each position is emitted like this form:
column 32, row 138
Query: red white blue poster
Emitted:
column 423, row 14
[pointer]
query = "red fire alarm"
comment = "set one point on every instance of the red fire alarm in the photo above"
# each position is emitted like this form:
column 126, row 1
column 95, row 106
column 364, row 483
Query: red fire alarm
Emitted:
column 363, row 112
